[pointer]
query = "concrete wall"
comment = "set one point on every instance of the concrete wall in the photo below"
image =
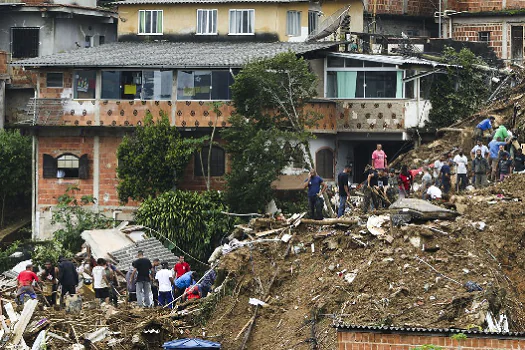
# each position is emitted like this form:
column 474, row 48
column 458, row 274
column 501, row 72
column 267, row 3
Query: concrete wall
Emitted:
column 16, row 103
column 2, row 103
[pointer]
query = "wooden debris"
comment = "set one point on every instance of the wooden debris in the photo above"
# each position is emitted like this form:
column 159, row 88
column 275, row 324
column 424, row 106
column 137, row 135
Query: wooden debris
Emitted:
column 331, row 221
column 25, row 317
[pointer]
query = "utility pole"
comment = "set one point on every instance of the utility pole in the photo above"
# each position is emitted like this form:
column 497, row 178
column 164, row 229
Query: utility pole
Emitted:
column 440, row 15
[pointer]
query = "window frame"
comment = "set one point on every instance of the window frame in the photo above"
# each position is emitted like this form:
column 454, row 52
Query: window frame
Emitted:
column 145, row 12
column 142, row 83
column 313, row 21
column 75, row 85
column 319, row 169
column 35, row 50
column 197, row 167
column 482, row 33
column 50, row 167
column 288, row 14
column 216, row 17
column 55, row 87
column 230, row 21
column 211, row 71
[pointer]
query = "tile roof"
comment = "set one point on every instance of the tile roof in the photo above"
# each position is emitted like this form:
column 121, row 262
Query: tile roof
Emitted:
column 167, row 55
column 152, row 248
column 141, row 2
column 392, row 329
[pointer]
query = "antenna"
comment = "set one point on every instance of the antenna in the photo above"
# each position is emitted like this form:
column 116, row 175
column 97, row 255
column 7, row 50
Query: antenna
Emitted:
column 330, row 25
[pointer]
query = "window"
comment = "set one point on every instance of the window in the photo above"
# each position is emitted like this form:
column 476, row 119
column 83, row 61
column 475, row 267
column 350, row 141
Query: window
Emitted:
column 217, row 165
column 88, row 41
column 135, row 85
column 204, row 85
column 313, row 21
column 84, row 84
column 101, row 40
column 150, row 21
column 242, row 21
column 54, row 80
column 324, row 163
column 293, row 23
column 484, row 37
column 206, row 21
column 65, row 166
column 25, row 42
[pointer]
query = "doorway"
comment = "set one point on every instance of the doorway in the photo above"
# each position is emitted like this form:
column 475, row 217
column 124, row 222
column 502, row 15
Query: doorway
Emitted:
column 516, row 44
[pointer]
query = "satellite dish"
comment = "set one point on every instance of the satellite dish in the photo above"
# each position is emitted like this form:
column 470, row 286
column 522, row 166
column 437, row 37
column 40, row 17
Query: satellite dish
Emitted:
column 329, row 25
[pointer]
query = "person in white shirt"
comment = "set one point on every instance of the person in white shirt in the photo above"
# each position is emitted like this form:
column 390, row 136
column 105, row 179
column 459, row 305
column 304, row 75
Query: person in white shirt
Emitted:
column 101, row 278
column 461, row 162
column 432, row 192
column 166, row 280
column 484, row 150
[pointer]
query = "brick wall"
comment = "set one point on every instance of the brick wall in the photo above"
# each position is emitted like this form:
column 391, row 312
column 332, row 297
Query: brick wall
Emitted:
column 3, row 62
column 351, row 340
column 485, row 5
column 404, row 7
column 469, row 32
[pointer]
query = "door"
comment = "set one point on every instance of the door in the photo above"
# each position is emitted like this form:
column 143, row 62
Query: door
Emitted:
column 516, row 44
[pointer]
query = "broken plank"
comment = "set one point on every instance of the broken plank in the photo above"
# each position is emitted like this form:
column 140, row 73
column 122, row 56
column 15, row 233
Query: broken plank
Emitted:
column 330, row 221
column 269, row 232
column 25, row 317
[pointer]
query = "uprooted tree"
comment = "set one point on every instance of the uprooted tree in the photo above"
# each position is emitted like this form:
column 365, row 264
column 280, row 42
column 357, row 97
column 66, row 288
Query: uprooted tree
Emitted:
column 152, row 159
column 270, row 97
column 461, row 92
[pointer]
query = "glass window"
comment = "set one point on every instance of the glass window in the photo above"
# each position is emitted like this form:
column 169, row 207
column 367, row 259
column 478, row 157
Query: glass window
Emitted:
column 242, row 21
column 206, row 21
column 54, row 80
column 349, row 62
column 364, row 84
column 110, row 85
column 381, row 84
column 484, row 37
column 217, row 164
column 134, row 85
column 313, row 21
column 150, row 21
column 336, row 62
column 157, row 85
column 204, row 85
column 67, row 166
column 293, row 23
column 84, row 84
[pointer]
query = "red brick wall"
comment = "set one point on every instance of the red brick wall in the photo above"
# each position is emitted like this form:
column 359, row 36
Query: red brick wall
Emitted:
column 485, row 5
column 350, row 340
column 396, row 7
column 3, row 62
column 469, row 32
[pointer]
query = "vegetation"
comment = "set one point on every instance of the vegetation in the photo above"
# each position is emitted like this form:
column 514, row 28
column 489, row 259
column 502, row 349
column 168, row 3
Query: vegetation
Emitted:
column 191, row 220
column 270, row 98
column 15, row 169
column 74, row 218
column 152, row 159
column 5, row 256
column 460, row 92
column 428, row 347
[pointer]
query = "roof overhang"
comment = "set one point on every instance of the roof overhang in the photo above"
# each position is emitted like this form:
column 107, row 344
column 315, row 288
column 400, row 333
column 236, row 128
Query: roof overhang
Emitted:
column 394, row 60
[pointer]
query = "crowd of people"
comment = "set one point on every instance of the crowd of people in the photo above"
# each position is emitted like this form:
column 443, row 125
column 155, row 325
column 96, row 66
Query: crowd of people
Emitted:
column 149, row 283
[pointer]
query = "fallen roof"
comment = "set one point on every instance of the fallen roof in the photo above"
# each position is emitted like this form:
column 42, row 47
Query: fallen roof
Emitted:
column 191, row 343
column 391, row 329
column 166, row 55
column 141, row 2
column 104, row 241
column 390, row 59
column 152, row 248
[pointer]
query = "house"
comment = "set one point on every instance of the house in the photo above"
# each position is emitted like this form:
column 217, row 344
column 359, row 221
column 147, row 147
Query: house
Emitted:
column 36, row 28
column 500, row 24
column 88, row 99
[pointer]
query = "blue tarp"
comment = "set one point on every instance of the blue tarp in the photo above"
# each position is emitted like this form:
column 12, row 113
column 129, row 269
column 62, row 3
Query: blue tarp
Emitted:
column 191, row 343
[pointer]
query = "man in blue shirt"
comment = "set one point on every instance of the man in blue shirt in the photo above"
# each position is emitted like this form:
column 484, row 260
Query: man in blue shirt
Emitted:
column 184, row 281
column 482, row 126
column 314, row 184
column 494, row 156
column 445, row 177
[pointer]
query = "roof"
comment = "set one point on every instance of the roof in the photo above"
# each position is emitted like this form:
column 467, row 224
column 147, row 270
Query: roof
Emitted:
column 142, row 2
column 191, row 343
column 152, row 248
column 397, row 60
column 166, row 55
column 104, row 241
column 341, row 326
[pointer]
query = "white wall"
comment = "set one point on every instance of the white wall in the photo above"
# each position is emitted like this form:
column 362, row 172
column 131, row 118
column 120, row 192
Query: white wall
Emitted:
column 416, row 113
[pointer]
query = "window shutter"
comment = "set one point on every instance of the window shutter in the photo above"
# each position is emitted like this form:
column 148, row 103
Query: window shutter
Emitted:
column 83, row 169
column 50, row 167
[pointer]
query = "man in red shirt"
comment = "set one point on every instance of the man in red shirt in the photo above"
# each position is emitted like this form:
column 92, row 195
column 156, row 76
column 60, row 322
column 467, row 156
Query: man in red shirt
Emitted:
column 181, row 267
column 25, row 281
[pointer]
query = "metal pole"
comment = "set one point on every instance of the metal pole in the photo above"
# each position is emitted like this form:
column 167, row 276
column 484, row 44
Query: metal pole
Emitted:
column 439, row 14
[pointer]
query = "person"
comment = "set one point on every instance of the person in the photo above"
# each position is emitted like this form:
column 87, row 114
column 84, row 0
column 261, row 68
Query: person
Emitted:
column 181, row 267
column 484, row 149
column 25, row 283
column 379, row 158
column 154, row 286
column 501, row 133
column 316, row 186
column 50, row 279
column 165, row 278
column 445, row 177
column 426, row 178
column 184, row 281
column 67, row 278
column 344, row 192
column 192, row 292
column 504, row 166
column 485, row 124
column 141, row 268
column 101, row 281
column 113, row 283
column 432, row 192
column 393, row 184
column 207, row 281
column 494, row 147
column 405, row 182
column 131, row 285
column 480, row 169
column 461, row 162
column 518, row 163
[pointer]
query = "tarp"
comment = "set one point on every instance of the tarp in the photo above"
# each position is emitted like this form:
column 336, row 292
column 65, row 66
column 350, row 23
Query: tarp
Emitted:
column 191, row 343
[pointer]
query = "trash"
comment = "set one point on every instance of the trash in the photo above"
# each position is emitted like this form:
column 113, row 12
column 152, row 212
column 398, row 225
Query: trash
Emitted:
column 98, row 335
column 472, row 287
column 493, row 325
column 190, row 343
column 350, row 277
column 286, row 237
column 480, row 225
column 299, row 248
column 466, row 271
column 255, row 301
column 415, row 241
column 40, row 341
column 375, row 222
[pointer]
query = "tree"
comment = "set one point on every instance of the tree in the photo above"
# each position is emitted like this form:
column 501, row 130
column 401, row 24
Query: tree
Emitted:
column 270, row 97
column 152, row 159
column 192, row 220
column 15, row 167
column 461, row 91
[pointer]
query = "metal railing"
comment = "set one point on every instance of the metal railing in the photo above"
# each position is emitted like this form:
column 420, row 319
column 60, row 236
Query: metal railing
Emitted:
column 43, row 111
